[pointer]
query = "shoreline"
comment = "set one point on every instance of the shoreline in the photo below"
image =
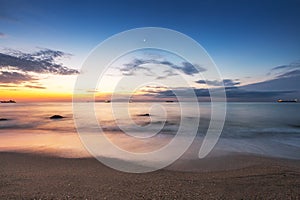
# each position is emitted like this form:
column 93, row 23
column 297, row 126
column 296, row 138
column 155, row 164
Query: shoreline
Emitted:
column 35, row 176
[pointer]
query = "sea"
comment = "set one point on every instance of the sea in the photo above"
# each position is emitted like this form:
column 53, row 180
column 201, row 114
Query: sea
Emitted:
column 264, row 129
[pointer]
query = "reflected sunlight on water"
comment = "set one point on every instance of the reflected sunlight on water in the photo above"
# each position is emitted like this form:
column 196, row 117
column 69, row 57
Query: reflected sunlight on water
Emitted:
column 262, row 128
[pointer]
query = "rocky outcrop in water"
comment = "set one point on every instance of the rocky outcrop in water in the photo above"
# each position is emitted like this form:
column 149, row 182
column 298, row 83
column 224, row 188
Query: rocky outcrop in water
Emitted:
column 56, row 117
column 144, row 115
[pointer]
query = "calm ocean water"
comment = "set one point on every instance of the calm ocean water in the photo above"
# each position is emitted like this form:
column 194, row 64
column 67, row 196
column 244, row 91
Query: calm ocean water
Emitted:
column 268, row 129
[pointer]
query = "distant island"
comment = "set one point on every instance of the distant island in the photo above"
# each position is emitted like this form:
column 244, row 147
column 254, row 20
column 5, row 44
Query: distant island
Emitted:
column 10, row 101
column 287, row 101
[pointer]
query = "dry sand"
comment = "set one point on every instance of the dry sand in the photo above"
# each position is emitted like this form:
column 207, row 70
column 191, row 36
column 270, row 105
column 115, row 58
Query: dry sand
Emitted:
column 30, row 176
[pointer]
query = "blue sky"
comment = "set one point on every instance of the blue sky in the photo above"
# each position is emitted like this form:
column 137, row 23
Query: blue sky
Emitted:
column 245, row 38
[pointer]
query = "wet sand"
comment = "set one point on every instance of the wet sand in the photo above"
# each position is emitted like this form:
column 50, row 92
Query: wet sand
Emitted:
column 32, row 176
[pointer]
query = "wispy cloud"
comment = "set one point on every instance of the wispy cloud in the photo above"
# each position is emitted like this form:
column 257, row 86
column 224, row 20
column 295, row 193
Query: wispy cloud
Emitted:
column 288, row 74
column 289, row 70
column 152, row 89
column 129, row 69
column 6, row 86
column 225, row 82
column 35, row 86
column 287, row 67
column 167, row 73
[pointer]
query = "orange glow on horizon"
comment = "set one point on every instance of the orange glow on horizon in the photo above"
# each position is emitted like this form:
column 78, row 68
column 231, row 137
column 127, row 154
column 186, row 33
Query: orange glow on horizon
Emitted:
column 66, row 95
column 44, row 96
column 34, row 96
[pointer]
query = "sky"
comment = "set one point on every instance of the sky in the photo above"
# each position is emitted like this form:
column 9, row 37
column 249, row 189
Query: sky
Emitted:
column 255, row 44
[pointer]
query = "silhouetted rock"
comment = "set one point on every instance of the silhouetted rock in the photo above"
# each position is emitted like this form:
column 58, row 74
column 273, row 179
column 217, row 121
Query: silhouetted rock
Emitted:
column 144, row 115
column 3, row 119
column 10, row 101
column 56, row 117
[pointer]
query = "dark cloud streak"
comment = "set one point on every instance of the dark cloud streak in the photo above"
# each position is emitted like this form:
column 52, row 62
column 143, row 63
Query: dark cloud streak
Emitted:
column 15, row 77
column 35, row 87
column 287, row 67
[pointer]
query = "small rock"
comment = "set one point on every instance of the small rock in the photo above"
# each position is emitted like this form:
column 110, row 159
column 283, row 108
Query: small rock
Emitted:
column 144, row 115
column 56, row 117
column 3, row 119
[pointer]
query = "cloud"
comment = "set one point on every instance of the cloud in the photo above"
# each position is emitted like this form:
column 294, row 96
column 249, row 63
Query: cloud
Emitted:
column 14, row 77
column 183, row 92
column 165, row 94
column 35, row 86
column 232, row 93
column 283, row 83
column 129, row 69
column 152, row 89
column 17, row 67
column 43, row 61
column 2, row 35
column 287, row 67
column 251, row 95
column 7, row 86
column 167, row 73
column 283, row 86
column 286, row 77
column 280, row 67
column 225, row 82
column 188, row 68
column 288, row 74
column 201, row 81
column 230, row 82
column 284, row 71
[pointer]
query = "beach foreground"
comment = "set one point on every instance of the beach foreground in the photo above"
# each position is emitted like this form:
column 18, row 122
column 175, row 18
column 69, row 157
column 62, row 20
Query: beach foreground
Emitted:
column 32, row 176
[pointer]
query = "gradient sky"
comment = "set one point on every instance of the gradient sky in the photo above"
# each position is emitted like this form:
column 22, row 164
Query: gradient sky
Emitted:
column 246, row 39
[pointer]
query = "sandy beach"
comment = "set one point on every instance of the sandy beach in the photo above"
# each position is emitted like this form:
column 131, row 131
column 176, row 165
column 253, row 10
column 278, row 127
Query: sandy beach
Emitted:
column 32, row 176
